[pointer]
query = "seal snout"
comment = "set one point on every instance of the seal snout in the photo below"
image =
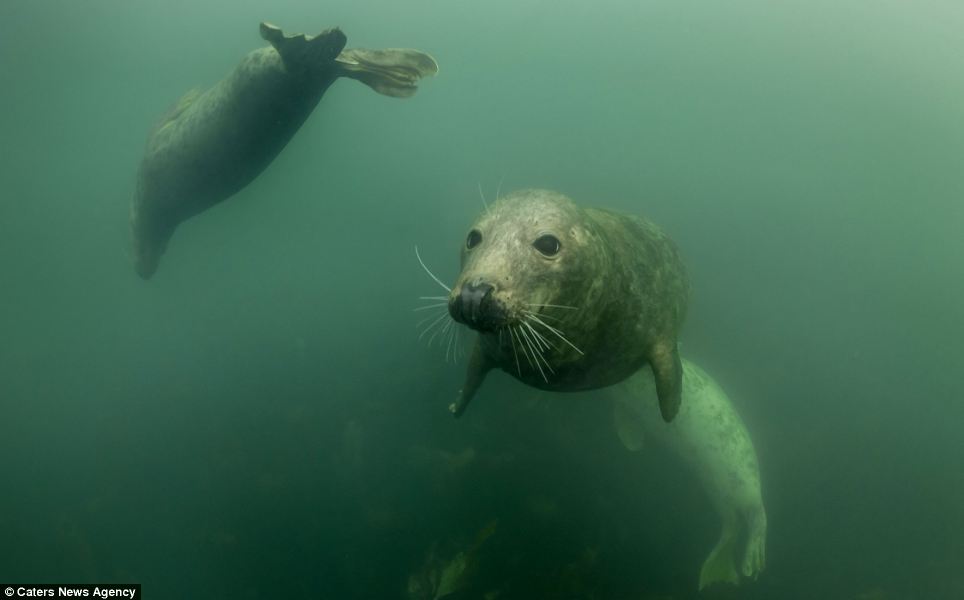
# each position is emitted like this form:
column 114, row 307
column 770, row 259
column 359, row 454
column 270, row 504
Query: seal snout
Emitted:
column 476, row 306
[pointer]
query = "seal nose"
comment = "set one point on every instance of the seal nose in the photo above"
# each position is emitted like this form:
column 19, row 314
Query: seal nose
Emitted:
column 476, row 307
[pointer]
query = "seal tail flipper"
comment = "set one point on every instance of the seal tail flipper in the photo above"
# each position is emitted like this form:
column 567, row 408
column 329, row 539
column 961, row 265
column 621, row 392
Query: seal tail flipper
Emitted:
column 392, row 72
column 302, row 52
column 720, row 565
column 754, row 558
column 668, row 371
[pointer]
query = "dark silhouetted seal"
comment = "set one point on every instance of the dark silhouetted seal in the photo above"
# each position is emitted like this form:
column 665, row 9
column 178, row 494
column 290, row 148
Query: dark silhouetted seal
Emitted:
column 567, row 298
column 214, row 143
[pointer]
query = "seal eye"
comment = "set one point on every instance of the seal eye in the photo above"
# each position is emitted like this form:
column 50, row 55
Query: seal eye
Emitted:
column 474, row 239
column 547, row 245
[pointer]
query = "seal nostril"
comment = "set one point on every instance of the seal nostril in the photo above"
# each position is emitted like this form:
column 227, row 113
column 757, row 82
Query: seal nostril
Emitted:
column 473, row 303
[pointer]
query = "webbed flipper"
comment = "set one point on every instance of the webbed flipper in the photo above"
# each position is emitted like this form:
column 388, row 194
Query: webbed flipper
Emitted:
column 302, row 52
column 668, row 371
column 477, row 369
column 720, row 565
column 391, row 72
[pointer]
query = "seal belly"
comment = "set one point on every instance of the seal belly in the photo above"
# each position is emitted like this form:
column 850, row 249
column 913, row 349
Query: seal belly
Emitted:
column 710, row 436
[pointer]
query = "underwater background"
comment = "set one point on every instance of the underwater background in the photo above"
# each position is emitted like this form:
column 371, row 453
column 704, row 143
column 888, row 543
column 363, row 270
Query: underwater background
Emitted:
column 260, row 420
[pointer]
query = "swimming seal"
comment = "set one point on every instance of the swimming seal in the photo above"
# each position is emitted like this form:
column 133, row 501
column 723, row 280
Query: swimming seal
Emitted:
column 710, row 436
column 213, row 144
column 566, row 298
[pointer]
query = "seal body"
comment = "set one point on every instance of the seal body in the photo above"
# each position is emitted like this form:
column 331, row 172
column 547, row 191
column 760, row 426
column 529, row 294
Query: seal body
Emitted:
column 568, row 299
column 214, row 143
column 710, row 436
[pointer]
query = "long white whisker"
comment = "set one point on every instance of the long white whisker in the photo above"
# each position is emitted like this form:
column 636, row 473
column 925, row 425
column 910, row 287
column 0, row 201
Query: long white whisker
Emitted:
column 434, row 318
column 538, row 340
column 434, row 324
column 514, row 353
column 522, row 346
column 525, row 328
column 430, row 274
column 553, row 306
column 557, row 333
column 448, row 346
column 481, row 195
column 430, row 306
column 538, row 349
column 535, row 353
column 426, row 320
column 532, row 314
column 539, row 337
column 499, row 189
column 442, row 330
column 433, row 297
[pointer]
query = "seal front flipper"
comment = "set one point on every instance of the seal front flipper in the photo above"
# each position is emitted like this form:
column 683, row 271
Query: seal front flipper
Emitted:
column 392, row 72
column 478, row 368
column 304, row 52
column 668, row 371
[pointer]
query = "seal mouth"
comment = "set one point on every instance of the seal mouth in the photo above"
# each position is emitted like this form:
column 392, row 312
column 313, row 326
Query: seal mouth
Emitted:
column 476, row 306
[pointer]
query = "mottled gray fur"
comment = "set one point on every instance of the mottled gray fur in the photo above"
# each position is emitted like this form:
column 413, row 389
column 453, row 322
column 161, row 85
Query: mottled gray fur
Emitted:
column 620, row 274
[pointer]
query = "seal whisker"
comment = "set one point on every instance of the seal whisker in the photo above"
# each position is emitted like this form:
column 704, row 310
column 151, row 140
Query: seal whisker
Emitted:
column 537, row 339
column 430, row 274
column 434, row 318
column 430, row 306
column 539, row 351
column 541, row 338
column 521, row 346
column 532, row 314
column 499, row 188
column 481, row 195
column 557, row 333
column 514, row 353
column 448, row 347
column 442, row 330
column 535, row 353
column 433, row 297
column 553, row 306
column 426, row 320
column 433, row 325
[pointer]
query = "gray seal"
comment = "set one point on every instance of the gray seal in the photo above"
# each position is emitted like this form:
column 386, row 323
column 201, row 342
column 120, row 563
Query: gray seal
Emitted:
column 212, row 144
column 566, row 298
column 710, row 436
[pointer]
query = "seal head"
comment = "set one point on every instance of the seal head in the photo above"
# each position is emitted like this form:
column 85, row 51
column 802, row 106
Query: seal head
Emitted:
column 568, row 299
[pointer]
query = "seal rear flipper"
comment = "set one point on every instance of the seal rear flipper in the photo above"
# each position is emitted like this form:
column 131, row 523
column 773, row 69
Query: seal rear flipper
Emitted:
column 304, row 52
column 668, row 371
column 478, row 367
column 754, row 557
column 720, row 565
column 392, row 72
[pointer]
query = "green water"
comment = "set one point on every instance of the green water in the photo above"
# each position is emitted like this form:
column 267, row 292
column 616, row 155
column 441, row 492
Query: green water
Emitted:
column 260, row 420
